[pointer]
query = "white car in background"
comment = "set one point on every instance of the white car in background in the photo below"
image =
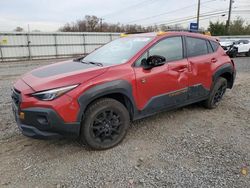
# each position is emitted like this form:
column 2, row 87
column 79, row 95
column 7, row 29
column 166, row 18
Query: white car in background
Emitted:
column 243, row 47
column 236, row 47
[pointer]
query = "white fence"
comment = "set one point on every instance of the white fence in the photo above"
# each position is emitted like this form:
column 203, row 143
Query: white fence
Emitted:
column 236, row 37
column 37, row 45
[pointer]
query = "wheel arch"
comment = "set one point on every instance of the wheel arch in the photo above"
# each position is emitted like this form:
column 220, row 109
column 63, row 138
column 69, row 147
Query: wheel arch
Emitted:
column 226, row 71
column 119, row 90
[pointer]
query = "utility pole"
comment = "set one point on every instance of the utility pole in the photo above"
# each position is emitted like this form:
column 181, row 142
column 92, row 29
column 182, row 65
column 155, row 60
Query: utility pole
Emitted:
column 101, row 19
column 229, row 15
column 198, row 13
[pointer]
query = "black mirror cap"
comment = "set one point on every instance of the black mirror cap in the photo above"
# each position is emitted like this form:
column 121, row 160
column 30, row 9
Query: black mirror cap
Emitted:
column 145, row 64
column 156, row 60
column 153, row 61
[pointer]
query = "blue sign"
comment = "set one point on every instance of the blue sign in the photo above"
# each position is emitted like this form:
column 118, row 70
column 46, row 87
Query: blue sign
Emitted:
column 193, row 26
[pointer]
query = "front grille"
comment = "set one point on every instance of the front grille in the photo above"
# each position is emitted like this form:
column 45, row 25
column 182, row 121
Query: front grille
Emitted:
column 16, row 97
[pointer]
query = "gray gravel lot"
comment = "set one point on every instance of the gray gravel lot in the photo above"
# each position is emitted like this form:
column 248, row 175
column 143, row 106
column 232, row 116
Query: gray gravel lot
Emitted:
column 188, row 147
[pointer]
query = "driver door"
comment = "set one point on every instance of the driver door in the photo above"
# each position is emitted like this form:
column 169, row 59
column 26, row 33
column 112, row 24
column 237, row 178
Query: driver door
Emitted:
column 163, row 86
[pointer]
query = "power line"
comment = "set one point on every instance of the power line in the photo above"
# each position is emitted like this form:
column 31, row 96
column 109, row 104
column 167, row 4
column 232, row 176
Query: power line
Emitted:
column 169, row 12
column 203, row 17
column 198, row 13
column 142, row 3
column 187, row 21
column 209, row 18
column 101, row 20
column 229, row 14
column 191, row 17
column 165, row 13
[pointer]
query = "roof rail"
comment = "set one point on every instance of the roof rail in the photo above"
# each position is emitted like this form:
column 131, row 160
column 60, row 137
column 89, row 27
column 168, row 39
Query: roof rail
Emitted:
column 191, row 31
column 167, row 30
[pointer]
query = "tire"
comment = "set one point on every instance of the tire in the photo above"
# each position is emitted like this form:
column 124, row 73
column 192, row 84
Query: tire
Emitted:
column 105, row 124
column 234, row 55
column 216, row 94
column 248, row 53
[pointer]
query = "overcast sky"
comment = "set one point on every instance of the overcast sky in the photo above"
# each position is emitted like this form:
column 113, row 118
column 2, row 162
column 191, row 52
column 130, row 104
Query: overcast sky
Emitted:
column 49, row 15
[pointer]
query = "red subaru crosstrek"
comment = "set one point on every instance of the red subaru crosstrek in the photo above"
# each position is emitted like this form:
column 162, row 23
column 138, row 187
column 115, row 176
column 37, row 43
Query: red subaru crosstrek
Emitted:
column 95, row 97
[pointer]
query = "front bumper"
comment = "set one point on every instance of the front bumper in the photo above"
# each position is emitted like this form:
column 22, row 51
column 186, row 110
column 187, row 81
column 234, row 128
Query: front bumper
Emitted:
column 44, row 123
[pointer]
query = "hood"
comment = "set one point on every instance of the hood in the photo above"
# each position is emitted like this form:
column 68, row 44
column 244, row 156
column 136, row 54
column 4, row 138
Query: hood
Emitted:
column 61, row 74
column 226, row 43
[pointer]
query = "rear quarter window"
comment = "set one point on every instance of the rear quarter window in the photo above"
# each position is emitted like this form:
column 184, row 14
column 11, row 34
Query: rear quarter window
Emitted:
column 210, row 49
column 214, row 45
column 196, row 46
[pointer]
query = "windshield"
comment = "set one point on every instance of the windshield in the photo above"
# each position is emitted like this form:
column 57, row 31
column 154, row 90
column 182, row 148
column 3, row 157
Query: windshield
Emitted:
column 118, row 51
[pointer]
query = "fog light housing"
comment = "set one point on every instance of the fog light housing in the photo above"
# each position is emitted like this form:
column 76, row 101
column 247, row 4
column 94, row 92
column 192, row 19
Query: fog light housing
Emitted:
column 43, row 120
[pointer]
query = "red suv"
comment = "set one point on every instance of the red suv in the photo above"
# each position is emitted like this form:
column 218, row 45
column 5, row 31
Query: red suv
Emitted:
column 95, row 97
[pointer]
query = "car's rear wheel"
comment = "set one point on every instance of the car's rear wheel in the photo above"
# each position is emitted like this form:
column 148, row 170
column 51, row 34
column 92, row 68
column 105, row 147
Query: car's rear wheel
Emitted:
column 248, row 53
column 216, row 94
column 105, row 124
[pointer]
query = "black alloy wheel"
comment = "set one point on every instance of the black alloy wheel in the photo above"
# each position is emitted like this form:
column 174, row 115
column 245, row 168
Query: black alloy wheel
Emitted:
column 104, row 124
column 219, row 94
column 216, row 94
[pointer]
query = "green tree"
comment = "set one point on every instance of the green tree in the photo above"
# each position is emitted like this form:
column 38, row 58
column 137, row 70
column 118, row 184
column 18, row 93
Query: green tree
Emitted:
column 237, row 27
column 19, row 29
column 217, row 28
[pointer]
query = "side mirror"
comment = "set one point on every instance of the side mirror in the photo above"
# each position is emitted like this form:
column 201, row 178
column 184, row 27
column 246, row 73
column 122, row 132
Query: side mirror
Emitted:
column 153, row 61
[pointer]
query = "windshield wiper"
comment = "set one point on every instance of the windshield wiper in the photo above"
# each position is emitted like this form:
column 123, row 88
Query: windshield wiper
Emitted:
column 96, row 63
column 78, row 58
column 93, row 63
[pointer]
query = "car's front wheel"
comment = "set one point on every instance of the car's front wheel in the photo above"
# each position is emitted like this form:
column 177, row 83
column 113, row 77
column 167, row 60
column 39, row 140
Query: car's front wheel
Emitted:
column 105, row 124
column 216, row 94
column 233, row 54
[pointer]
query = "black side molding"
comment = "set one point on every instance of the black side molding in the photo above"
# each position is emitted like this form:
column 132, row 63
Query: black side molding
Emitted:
column 226, row 71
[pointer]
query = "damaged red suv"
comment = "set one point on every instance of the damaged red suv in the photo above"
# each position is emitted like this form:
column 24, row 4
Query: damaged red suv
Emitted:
column 95, row 97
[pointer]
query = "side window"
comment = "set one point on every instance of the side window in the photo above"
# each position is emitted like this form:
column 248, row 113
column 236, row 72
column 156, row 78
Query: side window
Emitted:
column 170, row 48
column 245, row 41
column 209, row 47
column 215, row 45
column 196, row 47
column 144, row 56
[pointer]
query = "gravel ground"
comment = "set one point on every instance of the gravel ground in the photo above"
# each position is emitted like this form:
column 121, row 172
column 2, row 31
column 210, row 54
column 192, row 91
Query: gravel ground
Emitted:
column 188, row 147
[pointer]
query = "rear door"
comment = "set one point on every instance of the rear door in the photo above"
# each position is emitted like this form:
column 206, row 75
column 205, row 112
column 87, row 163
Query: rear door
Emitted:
column 200, row 57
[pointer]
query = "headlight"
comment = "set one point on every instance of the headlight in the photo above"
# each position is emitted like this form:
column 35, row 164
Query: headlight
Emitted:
column 53, row 93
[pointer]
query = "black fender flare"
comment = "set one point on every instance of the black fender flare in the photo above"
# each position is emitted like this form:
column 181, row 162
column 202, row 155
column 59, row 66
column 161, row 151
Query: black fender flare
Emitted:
column 226, row 68
column 112, row 87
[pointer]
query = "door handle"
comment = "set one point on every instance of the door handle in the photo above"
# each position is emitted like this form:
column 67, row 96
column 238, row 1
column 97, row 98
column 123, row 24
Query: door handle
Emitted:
column 182, row 68
column 213, row 60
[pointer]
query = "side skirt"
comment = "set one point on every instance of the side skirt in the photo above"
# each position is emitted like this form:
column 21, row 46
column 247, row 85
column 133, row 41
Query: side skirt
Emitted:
column 141, row 114
column 194, row 94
